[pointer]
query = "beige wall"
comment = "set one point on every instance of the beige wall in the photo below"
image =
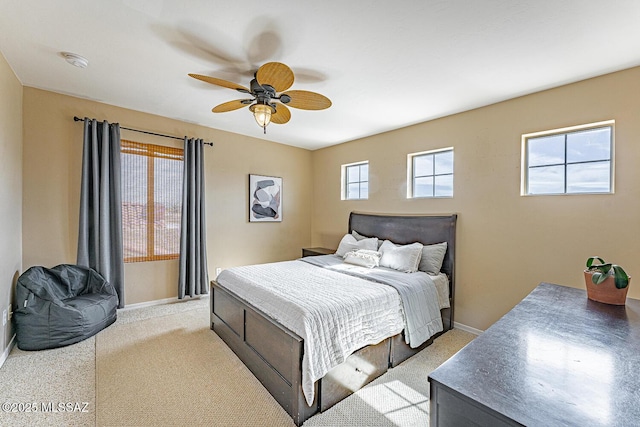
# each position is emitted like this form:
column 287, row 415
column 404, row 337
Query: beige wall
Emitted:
column 10, row 192
column 52, row 159
column 507, row 243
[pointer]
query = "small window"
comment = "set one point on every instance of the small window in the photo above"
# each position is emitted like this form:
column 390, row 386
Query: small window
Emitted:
column 151, row 201
column 568, row 161
column 355, row 178
column 431, row 174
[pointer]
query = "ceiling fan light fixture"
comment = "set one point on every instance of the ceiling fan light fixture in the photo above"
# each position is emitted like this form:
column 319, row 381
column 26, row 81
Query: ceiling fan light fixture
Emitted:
column 262, row 114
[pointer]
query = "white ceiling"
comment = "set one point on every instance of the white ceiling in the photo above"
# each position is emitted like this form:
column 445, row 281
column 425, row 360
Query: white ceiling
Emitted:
column 384, row 64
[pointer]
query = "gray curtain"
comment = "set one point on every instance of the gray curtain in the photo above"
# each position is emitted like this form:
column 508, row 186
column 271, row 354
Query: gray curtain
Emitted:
column 100, row 231
column 193, row 277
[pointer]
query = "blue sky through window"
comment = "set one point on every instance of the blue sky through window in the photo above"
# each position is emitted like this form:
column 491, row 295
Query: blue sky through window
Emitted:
column 357, row 181
column 433, row 174
column 574, row 162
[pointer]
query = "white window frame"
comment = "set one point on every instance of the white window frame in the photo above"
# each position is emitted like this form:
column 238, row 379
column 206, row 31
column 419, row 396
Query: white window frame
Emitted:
column 524, row 181
column 344, row 181
column 411, row 175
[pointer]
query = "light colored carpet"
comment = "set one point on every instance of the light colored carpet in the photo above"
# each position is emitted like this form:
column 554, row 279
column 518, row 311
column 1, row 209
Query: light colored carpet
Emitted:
column 61, row 375
column 172, row 371
column 31, row 379
column 162, row 365
column 400, row 397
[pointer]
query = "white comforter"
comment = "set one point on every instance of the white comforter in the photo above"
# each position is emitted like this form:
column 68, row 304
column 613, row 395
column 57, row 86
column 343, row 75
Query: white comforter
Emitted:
column 336, row 314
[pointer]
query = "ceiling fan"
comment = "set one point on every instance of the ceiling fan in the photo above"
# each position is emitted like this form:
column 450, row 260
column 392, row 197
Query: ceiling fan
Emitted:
column 268, row 86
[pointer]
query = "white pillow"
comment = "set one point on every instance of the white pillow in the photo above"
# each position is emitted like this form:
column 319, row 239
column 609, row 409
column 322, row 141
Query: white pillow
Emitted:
column 363, row 257
column 349, row 243
column 432, row 257
column 359, row 236
column 405, row 258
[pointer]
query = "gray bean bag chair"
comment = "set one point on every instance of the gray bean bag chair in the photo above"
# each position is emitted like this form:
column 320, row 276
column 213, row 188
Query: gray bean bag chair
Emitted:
column 61, row 305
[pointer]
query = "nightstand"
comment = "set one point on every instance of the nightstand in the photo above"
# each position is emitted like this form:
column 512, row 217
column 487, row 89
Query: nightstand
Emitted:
column 317, row 251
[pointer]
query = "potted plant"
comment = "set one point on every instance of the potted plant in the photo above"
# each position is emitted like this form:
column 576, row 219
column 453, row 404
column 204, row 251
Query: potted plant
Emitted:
column 606, row 282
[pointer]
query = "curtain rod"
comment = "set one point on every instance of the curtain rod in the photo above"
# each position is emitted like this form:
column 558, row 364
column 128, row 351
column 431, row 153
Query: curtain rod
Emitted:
column 78, row 119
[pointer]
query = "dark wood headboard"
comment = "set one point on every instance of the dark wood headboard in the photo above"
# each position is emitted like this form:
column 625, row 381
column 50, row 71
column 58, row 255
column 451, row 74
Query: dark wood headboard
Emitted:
column 405, row 229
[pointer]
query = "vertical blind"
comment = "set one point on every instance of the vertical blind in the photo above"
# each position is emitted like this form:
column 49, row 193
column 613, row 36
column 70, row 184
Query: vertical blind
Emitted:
column 151, row 201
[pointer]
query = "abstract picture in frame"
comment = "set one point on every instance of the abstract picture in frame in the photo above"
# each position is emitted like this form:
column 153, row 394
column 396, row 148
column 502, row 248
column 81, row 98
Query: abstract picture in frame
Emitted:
column 265, row 198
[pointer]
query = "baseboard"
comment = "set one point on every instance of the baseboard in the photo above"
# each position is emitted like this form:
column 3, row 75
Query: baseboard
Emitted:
column 6, row 352
column 466, row 328
column 160, row 302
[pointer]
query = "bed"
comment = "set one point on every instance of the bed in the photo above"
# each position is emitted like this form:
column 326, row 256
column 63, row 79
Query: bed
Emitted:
column 275, row 353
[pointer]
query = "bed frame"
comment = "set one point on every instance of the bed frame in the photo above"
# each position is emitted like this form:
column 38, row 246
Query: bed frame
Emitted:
column 274, row 353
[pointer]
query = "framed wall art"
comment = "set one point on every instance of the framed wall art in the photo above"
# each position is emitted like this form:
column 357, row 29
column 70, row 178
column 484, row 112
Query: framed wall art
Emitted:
column 265, row 198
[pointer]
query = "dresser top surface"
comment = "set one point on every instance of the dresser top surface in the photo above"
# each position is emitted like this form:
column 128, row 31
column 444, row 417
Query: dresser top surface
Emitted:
column 556, row 358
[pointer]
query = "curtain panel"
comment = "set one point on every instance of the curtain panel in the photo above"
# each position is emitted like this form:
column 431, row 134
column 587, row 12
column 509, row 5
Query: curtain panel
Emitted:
column 193, row 274
column 100, row 228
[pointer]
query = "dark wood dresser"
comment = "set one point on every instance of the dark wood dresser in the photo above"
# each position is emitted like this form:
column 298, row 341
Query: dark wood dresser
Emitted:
column 556, row 359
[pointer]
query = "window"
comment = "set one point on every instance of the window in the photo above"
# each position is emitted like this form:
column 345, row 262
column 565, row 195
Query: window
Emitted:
column 431, row 174
column 151, row 201
column 355, row 179
column 575, row 160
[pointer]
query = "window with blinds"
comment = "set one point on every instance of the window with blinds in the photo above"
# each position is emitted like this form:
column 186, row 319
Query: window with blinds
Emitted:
column 151, row 201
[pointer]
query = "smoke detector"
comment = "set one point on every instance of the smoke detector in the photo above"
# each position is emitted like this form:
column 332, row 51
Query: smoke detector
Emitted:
column 75, row 59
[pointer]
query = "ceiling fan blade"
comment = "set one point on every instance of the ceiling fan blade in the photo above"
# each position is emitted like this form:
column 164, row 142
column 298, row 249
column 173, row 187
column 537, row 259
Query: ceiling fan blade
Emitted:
column 281, row 116
column 220, row 82
column 232, row 105
column 307, row 100
column 276, row 75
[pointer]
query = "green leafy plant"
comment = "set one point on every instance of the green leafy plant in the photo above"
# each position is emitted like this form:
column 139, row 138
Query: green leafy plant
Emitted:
column 604, row 269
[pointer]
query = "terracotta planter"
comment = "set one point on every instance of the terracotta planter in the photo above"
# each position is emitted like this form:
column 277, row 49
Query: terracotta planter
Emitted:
column 606, row 291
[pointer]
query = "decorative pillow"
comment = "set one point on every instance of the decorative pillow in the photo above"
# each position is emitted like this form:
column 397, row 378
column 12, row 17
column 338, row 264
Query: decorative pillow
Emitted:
column 349, row 243
column 363, row 257
column 432, row 257
column 405, row 258
column 359, row 236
